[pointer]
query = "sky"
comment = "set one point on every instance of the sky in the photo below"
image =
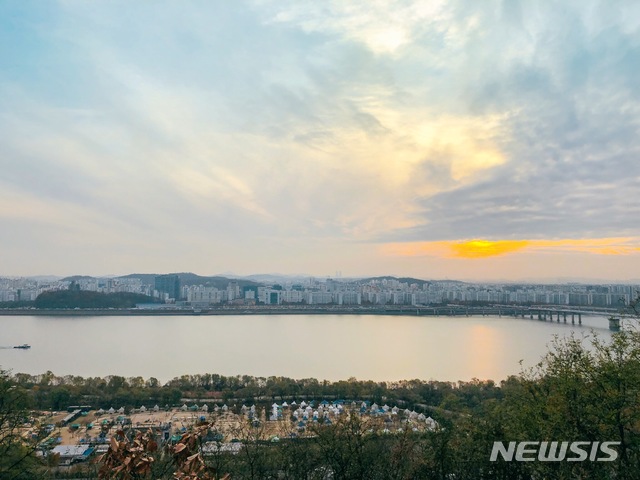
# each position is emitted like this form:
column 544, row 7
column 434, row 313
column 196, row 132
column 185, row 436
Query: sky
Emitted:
column 494, row 140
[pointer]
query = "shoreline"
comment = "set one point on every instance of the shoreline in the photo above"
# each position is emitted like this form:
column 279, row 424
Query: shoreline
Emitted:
column 240, row 311
column 533, row 312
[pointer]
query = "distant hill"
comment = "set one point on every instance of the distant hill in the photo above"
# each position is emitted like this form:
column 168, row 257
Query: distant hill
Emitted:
column 408, row 280
column 145, row 278
column 273, row 277
column 75, row 278
column 188, row 279
column 256, row 280
column 44, row 278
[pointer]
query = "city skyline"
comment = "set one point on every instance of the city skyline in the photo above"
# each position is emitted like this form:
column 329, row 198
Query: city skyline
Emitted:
column 190, row 291
column 438, row 140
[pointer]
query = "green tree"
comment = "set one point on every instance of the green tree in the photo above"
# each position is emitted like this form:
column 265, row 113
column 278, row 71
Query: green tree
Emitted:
column 17, row 460
column 581, row 392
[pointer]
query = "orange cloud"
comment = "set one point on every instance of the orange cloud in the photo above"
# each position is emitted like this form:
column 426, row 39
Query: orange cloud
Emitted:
column 485, row 248
column 478, row 248
column 598, row 246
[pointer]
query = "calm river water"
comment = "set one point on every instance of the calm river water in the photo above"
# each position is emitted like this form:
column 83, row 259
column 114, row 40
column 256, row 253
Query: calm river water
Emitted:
column 331, row 347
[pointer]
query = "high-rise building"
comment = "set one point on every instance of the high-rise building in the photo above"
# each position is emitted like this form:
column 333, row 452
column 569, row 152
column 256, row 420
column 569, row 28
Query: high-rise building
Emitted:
column 169, row 284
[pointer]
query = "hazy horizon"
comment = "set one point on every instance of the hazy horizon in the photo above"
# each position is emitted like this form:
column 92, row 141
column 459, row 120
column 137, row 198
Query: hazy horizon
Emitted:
column 281, row 276
column 477, row 141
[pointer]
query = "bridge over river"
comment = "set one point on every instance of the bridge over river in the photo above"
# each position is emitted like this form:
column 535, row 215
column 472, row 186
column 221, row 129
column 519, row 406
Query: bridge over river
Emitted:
column 542, row 313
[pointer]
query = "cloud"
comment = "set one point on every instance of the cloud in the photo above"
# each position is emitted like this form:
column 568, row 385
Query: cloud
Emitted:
column 352, row 122
column 568, row 131
column 382, row 26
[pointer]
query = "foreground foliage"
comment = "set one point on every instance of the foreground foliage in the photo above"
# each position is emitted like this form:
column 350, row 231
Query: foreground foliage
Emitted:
column 139, row 457
column 16, row 453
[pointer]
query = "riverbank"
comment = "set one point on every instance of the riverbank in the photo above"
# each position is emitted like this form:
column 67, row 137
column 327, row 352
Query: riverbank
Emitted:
column 244, row 310
column 558, row 313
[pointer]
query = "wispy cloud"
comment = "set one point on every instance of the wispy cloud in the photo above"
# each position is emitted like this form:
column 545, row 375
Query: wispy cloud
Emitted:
column 383, row 26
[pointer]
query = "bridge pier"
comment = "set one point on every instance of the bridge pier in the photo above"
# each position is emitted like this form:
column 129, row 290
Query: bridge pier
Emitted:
column 579, row 319
column 573, row 318
column 565, row 317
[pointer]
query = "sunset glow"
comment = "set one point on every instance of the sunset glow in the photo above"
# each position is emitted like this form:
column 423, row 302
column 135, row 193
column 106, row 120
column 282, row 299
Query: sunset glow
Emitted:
column 486, row 248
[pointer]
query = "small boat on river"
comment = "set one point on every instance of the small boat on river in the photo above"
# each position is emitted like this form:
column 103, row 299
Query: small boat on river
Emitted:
column 23, row 346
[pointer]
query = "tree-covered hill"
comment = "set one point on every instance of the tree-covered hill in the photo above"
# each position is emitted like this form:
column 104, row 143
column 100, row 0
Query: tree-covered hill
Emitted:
column 85, row 299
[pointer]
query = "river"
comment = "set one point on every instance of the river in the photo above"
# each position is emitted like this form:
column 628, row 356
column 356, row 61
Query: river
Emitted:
column 331, row 347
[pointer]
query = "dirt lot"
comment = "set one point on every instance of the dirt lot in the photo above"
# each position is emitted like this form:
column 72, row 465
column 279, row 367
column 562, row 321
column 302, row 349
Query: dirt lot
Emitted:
column 230, row 425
